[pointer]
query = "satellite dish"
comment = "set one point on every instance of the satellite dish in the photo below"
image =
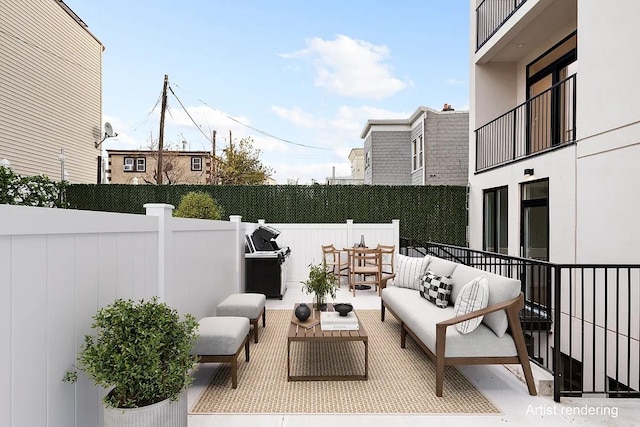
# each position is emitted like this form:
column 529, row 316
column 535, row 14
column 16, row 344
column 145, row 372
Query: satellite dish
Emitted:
column 108, row 130
column 108, row 133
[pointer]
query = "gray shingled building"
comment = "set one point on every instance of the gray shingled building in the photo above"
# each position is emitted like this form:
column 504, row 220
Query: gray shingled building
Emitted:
column 429, row 148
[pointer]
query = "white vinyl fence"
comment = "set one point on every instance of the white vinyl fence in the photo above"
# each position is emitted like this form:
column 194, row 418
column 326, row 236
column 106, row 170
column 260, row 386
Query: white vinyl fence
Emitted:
column 305, row 241
column 57, row 267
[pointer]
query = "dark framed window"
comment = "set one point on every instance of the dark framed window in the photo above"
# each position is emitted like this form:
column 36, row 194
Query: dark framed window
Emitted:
column 141, row 164
column 129, row 164
column 534, row 240
column 551, row 94
column 496, row 220
column 196, row 163
column 416, row 153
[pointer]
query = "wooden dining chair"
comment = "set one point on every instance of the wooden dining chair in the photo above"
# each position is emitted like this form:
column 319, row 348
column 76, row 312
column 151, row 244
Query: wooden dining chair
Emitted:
column 335, row 261
column 365, row 268
column 388, row 256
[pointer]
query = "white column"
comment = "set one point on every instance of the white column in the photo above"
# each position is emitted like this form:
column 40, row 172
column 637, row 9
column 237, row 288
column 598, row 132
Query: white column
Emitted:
column 164, row 213
column 239, row 258
column 350, row 240
column 396, row 233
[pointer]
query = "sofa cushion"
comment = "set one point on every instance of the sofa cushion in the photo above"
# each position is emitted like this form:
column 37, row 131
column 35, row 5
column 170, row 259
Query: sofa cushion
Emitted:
column 420, row 316
column 501, row 289
column 436, row 289
column 473, row 296
column 409, row 271
column 442, row 267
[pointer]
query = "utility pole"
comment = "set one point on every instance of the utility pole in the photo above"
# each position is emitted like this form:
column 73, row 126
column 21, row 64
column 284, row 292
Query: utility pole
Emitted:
column 214, row 180
column 161, row 138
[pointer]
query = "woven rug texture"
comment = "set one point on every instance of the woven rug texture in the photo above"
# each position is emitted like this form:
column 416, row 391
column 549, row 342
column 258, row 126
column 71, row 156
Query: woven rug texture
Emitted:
column 401, row 381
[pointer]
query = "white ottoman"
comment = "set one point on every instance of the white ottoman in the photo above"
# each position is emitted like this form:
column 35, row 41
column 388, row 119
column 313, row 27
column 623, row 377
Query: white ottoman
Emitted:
column 221, row 340
column 249, row 305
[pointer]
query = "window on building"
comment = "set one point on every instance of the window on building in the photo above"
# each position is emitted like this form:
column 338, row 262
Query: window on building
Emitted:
column 534, row 240
column 129, row 164
column 367, row 160
column 495, row 230
column 141, row 164
column 196, row 163
column 551, row 94
column 416, row 153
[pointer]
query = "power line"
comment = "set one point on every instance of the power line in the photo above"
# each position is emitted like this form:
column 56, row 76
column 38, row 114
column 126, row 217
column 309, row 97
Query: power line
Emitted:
column 146, row 118
column 251, row 127
column 189, row 115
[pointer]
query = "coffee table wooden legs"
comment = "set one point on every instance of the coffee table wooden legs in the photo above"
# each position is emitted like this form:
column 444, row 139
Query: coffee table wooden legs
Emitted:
column 364, row 377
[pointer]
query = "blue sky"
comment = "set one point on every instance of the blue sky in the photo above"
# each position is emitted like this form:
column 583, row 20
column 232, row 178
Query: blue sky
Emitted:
column 310, row 73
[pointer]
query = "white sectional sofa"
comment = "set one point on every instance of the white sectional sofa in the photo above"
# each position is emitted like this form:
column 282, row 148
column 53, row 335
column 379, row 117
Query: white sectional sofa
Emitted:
column 450, row 339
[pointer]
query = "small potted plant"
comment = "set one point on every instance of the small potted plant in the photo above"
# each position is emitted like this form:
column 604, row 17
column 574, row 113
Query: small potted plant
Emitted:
column 320, row 283
column 143, row 352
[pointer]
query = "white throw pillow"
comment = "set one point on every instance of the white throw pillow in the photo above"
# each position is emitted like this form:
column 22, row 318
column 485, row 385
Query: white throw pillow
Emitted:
column 410, row 271
column 473, row 296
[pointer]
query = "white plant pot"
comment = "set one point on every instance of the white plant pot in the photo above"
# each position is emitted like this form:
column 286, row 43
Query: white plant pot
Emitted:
column 166, row 413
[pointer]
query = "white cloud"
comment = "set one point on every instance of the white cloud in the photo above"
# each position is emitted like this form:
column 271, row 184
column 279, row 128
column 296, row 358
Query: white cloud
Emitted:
column 342, row 128
column 351, row 68
column 339, row 133
column 454, row 81
column 295, row 116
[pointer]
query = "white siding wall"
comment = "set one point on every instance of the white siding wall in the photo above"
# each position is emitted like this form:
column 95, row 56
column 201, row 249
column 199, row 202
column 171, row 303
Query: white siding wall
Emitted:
column 50, row 91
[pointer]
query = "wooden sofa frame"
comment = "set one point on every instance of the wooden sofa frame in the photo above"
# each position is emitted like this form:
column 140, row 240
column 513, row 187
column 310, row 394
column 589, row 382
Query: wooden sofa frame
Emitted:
column 511, row 307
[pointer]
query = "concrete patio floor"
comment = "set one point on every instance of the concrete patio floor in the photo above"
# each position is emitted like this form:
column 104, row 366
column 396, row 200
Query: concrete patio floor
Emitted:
column 496, row 382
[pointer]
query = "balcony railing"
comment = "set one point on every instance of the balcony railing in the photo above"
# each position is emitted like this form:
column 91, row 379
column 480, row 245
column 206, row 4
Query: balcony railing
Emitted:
column 580, row 321
column 545, row 122
column 491, row 15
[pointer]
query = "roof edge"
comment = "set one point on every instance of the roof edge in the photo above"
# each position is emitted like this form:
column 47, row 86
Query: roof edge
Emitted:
column 76, row 18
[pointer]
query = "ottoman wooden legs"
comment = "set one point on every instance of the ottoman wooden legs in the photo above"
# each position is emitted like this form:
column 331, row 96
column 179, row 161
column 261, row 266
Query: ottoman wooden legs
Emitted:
column 254, row 324
column 232, row 360
column 221, row 340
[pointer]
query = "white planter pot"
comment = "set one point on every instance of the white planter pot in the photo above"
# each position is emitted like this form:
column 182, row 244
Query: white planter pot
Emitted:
column 165, row 413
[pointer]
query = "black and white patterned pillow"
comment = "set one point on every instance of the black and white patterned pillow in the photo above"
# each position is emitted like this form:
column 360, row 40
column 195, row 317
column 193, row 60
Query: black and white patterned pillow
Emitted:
column 436, row 289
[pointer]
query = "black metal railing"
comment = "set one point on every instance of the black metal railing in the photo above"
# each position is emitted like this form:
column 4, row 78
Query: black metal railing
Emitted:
column 593, row 344
column 596, row 342
column 542, row 123
column 491, row 15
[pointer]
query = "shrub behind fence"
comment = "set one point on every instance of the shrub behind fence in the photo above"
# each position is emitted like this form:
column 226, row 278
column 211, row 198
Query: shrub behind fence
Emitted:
column 426, row 213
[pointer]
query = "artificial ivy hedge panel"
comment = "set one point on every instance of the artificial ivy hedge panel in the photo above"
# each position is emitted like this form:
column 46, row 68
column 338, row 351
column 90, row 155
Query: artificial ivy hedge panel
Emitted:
column 426, row 213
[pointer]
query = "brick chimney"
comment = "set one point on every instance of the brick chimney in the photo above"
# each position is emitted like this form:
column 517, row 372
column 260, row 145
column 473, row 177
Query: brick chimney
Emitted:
column 447, row 107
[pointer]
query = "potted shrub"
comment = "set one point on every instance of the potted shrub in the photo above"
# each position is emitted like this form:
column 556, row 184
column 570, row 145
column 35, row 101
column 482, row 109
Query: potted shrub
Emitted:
column 143, row 351
column 320, row 283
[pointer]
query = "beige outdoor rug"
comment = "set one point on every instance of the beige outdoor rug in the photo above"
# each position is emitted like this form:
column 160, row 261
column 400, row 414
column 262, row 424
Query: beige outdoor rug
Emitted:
column 401, row 381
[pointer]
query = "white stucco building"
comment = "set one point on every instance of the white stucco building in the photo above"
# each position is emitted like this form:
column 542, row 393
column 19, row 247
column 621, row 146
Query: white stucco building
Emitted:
column 555, row 129
column 554, row 146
